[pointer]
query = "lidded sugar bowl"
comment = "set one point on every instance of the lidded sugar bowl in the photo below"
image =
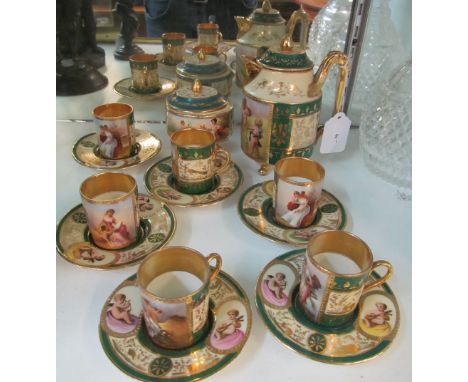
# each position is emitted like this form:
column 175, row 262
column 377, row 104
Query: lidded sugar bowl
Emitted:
column 265, row 27
column 210, row 70
column 199, row 107
column 281, row 103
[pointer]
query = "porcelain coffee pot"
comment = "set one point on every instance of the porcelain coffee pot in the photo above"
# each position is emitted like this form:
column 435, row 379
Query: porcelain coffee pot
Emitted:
column 281, row 103
column 264, row 28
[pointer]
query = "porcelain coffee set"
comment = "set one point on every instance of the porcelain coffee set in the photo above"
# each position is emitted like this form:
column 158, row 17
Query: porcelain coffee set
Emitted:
column 180, row 317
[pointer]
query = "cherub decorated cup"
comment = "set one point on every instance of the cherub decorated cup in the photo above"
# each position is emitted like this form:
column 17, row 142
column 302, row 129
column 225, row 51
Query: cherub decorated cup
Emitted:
column 298, row 186
column 110, row 203
column 116, row 136
column 195, row 160
column 336, row 272
column 145, row 75
column 174, row 286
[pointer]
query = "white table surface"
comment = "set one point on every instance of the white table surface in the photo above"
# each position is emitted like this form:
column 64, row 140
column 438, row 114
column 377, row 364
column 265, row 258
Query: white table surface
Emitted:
column 374, row 213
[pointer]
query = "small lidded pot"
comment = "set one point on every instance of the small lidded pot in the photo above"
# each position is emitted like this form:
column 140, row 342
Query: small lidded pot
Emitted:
column 200, row 107
column 210, row 70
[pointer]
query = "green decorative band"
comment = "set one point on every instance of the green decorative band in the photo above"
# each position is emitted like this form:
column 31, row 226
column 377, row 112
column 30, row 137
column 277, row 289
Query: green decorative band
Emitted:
column 298, row 313
column 145, row 90
column 193, row 68
column 173, row 42
column 336, row 321
column 267, row 18
column 283, row 119
column 279, row 153
column 348, row 283
column 286, row 60
column 208, row 79
column 194, row 104
column 142, row 65
column 194, row 153
column 312, row 352
column 195, row 187
column 108, row 349
column 203, row 332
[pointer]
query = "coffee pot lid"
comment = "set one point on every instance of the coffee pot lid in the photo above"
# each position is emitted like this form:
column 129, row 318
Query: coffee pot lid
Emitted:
column 286, row 57
column 197, row 98
column 266, row 15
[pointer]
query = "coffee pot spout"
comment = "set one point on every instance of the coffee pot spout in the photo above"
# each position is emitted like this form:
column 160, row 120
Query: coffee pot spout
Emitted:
column 332, row 58
column 243, row 24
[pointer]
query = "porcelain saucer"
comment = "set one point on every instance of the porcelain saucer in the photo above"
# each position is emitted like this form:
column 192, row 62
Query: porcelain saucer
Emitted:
column 157, row 226
column 256, row 211
column 351, row 343
column 129, row 347
column 123, row 87
column 86, row 153
column 159, row 182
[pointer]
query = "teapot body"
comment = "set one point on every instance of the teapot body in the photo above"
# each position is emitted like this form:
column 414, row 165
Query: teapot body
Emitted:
column 278, row 118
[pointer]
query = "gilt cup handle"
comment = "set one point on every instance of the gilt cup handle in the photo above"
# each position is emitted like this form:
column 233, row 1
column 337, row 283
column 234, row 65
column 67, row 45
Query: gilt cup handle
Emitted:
column 217, row 267
column 223, row 156
column 377, row 264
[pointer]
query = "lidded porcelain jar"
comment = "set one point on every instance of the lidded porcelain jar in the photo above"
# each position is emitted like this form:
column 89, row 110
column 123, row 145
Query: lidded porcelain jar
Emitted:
column 200, row 107
column 264, row 28
column 210, row 70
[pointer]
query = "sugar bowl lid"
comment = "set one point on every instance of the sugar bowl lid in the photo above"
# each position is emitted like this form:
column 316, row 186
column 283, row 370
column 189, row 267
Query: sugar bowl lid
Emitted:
column 197, row 98
column 201, row 63
column 266, row 15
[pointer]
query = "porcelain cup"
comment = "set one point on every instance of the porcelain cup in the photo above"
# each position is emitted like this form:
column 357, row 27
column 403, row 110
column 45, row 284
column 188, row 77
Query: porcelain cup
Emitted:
column 145, row 75
column 116, row 130
column 174, row 286
column 209, row 34
column 110, row 203
column 195, row 160
column 298, row 186
column 173, row 47
column 336, row 272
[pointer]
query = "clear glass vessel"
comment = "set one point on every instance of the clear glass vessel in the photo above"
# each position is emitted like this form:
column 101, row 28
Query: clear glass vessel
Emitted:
column 385, row 130
column 381, row 52
column 328, row 32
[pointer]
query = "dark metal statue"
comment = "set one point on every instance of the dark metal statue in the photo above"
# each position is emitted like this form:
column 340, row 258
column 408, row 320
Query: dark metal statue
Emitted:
column 124, row 46
column 77, row 53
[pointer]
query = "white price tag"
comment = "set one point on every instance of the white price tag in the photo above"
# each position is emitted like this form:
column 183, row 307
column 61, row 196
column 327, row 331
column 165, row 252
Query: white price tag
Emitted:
column 335, row 134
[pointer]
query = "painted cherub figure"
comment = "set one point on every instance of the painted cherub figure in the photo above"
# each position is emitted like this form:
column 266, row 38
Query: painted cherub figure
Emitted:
column 277, row 284
column 230, row 325
column 377, row 316
column 121, row 308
